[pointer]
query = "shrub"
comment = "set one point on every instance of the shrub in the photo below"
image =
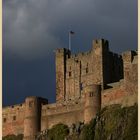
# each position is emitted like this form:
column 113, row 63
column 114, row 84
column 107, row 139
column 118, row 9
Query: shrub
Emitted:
column 58, row 132
column 88, row 131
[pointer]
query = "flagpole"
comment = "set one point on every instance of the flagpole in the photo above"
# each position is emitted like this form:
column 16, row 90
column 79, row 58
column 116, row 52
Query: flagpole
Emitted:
column 69, row 41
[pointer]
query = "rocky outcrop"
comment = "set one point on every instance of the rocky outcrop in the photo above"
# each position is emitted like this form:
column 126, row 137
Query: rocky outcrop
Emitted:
column 112, row 123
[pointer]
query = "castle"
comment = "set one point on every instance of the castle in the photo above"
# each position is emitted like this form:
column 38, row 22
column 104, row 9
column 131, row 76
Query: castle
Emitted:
column 85, row 83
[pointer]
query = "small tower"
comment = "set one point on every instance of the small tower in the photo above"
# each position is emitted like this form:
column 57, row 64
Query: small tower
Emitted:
column 61, row 56
column 92, row 102
column 128, row 57
column 32, row 116
column 101, row 50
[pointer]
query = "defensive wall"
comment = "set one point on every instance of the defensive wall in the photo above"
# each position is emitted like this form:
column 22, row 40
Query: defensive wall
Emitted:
column 85, row 83
column 13, row 119
column 125, row 91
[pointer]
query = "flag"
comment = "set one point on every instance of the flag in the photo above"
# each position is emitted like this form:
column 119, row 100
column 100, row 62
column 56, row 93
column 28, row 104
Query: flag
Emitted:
column 72, row 33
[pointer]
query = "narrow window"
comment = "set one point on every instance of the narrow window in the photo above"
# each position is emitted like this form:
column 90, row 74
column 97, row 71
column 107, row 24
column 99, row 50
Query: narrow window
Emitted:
column 14, row 118
column 31, row 104
column 86, row 70
column 69, row 74
column 81, row 86
column 4, row 120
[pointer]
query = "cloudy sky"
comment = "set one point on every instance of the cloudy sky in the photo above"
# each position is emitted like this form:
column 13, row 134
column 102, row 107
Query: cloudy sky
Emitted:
column 33, row 29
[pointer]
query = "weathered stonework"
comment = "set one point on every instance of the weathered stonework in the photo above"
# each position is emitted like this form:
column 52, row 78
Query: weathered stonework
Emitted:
column 85, row 83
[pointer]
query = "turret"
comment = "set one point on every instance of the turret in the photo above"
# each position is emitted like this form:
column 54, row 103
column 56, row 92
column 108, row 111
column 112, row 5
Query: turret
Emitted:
column 100, row 46
column 32, row 116
column 92, row 102
column 128, row 57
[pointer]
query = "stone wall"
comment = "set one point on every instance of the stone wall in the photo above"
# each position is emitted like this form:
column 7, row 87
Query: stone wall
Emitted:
column 112, row 67
column 23, row 118
column 113, row 95
column 131, row 74
column 124, row 92
column 61, row 113
column 118, row 95
column 73, row 111
column 13, row 119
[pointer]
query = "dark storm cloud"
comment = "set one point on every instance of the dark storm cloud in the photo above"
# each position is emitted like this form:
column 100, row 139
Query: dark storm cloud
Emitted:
column 32, row 29
column 36, row 27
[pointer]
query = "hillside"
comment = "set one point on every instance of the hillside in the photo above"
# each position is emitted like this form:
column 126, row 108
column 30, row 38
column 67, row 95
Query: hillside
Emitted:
column 112, row 123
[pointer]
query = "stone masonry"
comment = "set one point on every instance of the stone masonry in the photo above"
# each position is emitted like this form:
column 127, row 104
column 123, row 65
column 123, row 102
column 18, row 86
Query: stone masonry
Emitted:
column 85, row 83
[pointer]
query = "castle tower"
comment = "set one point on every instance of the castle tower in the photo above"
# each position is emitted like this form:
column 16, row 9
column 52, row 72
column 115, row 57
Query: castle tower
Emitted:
column 128, row 57
column 101, row 50
column 61, row 55
column 92, row 102
column 32, row 117
column 109, row 65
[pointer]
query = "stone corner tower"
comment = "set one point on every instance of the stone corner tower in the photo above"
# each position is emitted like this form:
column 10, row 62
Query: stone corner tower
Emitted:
column 92, row 101
column 32, row 121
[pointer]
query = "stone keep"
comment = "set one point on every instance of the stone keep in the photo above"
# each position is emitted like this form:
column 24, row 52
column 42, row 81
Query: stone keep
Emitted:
column 74, row 72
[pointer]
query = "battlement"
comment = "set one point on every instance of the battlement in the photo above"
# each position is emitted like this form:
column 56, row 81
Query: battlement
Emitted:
column 17, row 106
column 135, row 60
column 79, row 55
column 128, row 56
column 99, row 43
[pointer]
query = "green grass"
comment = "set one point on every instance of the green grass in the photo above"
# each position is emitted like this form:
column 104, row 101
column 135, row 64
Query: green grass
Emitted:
column 117, row 123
